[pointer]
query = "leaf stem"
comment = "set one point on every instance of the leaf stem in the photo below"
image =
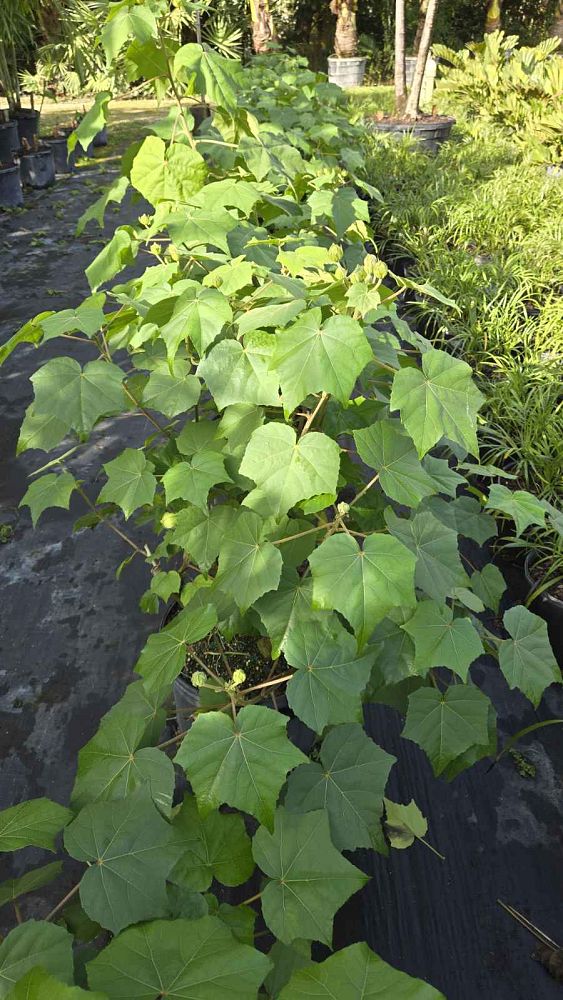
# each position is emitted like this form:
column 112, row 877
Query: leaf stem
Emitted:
column 309, row 421
column 265, row 684
column 430, row 848
column 110, row 525
column 63, row 902
column 251, row 899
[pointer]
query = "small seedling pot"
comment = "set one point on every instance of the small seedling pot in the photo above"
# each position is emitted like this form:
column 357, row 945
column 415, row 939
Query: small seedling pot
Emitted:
column 9, row 141
column 38, row 167
column 347, row 72
column 64, row 163
column 27, row 121
column 11, row 195
column 101, row 139
column 429, row 134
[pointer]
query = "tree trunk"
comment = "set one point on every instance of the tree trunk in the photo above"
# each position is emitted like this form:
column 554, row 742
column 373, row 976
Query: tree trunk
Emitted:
column 420, row 26
column 400, row 75
column 557, row 29
column 263, row 31
column 493, row 18
column 345, row 35
column 411, row 110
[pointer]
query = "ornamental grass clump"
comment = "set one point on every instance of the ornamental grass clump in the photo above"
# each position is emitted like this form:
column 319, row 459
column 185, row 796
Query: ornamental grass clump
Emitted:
column 304, row 475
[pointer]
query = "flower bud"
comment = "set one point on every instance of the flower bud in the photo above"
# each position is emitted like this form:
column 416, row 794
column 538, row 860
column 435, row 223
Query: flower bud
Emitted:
column 198, row 678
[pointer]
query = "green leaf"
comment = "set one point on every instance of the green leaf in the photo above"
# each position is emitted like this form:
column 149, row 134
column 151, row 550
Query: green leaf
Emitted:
column 164, row 653
column 349, row 783
column 309, row 880
column 446, row 724
column 131, row 483
column 446, row 479
column 162, row 173
column 282, row 610
column 356, row 973
column 203, row 229
column 363, row 584
column 231, row 192
column 184, row 959
column 242, row 762
column 39, row 431
column 237, row 424
column 130, row 850
column 489, row 584
column 213, row 74
column 287, row 470
column 116, row 761
column 128, row 21
column 78, row 397
column 438, row 567
column 88, row 317
column 441, row 640
column 526, row 659
column 342, row 206
column 199, row 315
column 404, row 823
column 90, row 123
column 286, row 958
column 52, row 490
column 213, row 846
column 172, row 392
column 13, row 888
column 201, row 436
column 274, row 315
column 114, row 193
column 30, row 333
column 239, row 373
column 117, row 254
column 464, row 515
column 386, row 448
column 200, row 533
column 330, row 676
column 33, row 943
column 192, row 480
column 312, row 356
column 524, row 508
column 33, row 823
column 39, row 985
column 438, row 401
column 249, row 566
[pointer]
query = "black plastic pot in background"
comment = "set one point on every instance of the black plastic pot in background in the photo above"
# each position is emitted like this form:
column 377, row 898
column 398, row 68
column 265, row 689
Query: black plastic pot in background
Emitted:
column 548, row 607
column 199, row 112
column 38, row 168
column 11, row 195
column 64, row 164
column 429, row 135
column 101, row 139
column 28, row 125
column 9, row 141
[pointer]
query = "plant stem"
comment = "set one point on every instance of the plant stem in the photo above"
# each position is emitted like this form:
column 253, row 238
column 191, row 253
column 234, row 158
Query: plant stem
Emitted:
column 265, row 684
column 152, row 420
column 63, row 902
column 309, row 421
column 110, row 525
column 301, row 534
column 368, row 486
column 251, row 899
column 430, row 848
column 17, row 911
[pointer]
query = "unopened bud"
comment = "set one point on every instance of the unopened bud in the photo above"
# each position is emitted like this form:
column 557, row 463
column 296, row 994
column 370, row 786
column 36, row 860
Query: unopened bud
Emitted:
column 198, row 678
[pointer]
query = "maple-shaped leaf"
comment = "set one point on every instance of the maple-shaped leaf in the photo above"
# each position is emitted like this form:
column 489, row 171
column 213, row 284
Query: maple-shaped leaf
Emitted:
column 523, row 507
column 362, row 583
column 349, row 782
column 192, row 480
column 439, row 400
column 446, row 724
column 35, row 943
column 386, row 448
column 164, row 653
column 526, row 659
column 249, row 565
column 240, row 373
column 213, row 846
column 241, row 762
column 308, row 879
column 312, row 356
column 131, row 482
column 33, row 823
column 52, row 490
column 439, row 571
column 287, row 470
column 441, row 640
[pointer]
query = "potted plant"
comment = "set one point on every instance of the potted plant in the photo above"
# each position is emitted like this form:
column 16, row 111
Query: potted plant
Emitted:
column 431, row 130
column 16, row 29
column 346, row 68
column 306, row 527
column 37, row 164
column 11, row 195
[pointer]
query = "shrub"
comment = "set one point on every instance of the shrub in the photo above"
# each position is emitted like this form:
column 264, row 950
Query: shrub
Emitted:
column 302, row 476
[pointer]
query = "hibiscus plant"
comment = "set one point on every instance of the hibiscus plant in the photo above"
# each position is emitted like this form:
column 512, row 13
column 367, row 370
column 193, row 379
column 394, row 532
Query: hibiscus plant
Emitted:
column 306, row 477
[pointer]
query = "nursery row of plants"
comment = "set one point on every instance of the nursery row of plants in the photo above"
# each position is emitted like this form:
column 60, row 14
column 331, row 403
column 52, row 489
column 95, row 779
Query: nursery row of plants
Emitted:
column 308, row 483
column 482, row 222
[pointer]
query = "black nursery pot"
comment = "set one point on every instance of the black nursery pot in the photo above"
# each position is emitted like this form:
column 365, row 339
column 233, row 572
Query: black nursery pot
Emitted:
column 28, row 124
column 38, row 168
column 429, row 134
column 199, row 112
column 101, row 139
column 9, row 141
column 11, row 195
column 549, row 607
column 64, row 164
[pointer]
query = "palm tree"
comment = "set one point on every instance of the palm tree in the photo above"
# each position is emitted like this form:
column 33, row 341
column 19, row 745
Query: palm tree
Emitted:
column 412, row 110
column 263, row 30
column 400, row 74
column 346, row 34
column 493, row 18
